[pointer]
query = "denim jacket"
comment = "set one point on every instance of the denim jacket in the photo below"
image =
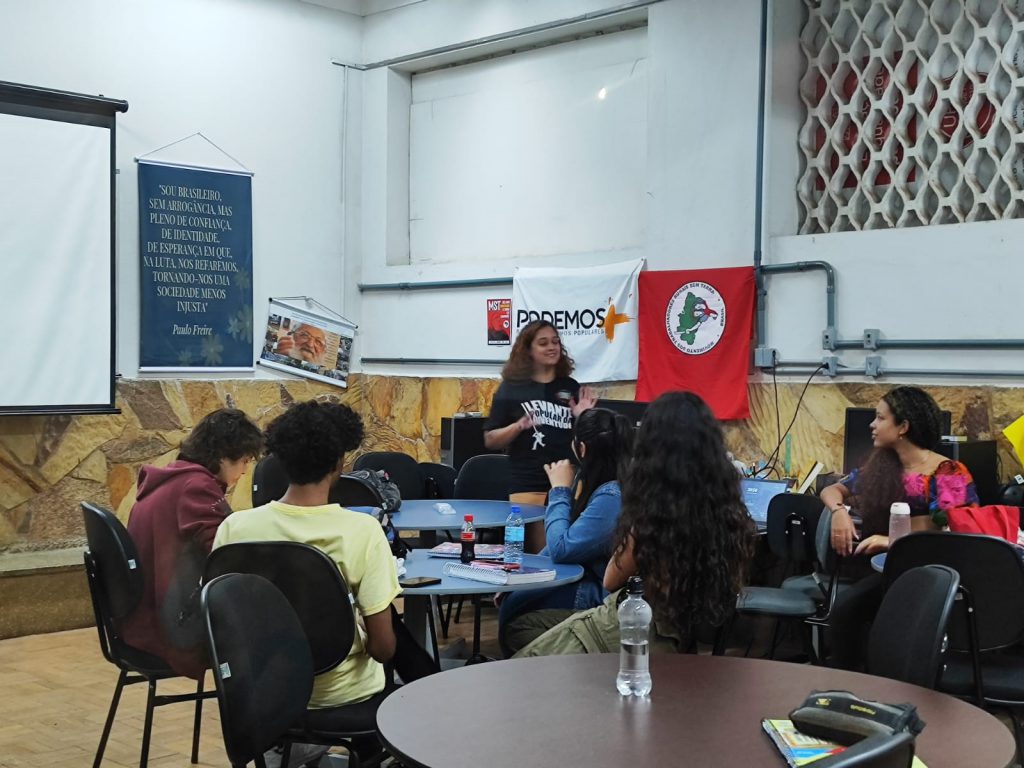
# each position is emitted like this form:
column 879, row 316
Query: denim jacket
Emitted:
column 587, row 541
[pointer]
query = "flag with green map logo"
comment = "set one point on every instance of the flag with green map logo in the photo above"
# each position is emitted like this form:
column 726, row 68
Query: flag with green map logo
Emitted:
column 695, row 333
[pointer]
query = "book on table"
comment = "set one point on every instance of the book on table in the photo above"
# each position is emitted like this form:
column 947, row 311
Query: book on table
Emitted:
column 498, row 573
column 454, row 549
column 800, row 749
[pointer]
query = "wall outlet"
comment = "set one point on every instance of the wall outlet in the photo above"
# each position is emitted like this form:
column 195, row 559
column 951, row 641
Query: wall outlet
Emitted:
column 871, row 337
column 765, row 357
column 873, row 366
column 831, row 363
column 828, row 338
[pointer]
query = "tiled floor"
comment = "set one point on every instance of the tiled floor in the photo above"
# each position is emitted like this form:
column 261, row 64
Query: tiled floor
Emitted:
column 55, row 690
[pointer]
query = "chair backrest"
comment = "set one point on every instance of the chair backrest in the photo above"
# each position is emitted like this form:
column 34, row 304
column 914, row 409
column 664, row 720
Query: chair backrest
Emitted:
column 990, row 572
column 908, row 635
column 112, row 564
column 402, row 469
column 269, row 481
column 440, row 480
column 484, row 477
column 309, row 580
column 792, row 522
column 261, row 662
column 354, row 492
column 881, row 751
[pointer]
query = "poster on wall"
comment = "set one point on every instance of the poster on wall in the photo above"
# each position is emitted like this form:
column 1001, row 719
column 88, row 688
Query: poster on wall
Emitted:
column 307, row 342
column 499, row 322
column 195, row 244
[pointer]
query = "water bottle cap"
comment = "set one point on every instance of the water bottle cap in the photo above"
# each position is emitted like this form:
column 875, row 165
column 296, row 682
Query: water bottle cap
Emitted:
column 635, row 585
column 468, row 518
column 514, row 509
column 899, row 508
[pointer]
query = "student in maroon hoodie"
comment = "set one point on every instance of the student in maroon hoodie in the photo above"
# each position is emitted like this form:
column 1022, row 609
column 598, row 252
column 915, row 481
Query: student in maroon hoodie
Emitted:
column 173, row 522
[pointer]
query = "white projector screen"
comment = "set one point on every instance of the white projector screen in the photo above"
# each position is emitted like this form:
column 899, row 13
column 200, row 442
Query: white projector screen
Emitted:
column 56, row 252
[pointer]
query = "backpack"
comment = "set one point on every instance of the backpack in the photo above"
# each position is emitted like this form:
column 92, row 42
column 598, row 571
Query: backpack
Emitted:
column 391, row 498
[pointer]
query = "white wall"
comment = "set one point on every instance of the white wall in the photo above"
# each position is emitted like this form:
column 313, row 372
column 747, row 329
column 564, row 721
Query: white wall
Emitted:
column 255, row 76
column 702, row 69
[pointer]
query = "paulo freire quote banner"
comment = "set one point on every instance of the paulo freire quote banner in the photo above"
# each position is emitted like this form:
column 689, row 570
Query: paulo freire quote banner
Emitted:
column 195, row 245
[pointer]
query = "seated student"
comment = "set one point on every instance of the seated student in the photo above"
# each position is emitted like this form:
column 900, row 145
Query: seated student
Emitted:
column 311, row 440
column 902, row 467
column 582, row 513
column 172, row 523
column 684, row 530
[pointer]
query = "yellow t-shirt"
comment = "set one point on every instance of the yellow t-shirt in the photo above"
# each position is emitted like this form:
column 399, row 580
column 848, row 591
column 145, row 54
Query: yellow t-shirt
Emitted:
column 356, row 542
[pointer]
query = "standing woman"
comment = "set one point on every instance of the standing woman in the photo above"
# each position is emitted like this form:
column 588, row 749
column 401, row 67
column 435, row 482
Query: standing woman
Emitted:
column 532, row 415
column 902, row 467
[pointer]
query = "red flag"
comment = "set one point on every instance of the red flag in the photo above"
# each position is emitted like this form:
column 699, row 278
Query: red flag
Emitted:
column 695, row 332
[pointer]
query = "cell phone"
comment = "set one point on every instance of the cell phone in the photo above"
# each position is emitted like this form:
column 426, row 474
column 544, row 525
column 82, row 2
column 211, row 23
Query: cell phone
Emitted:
column 418, row 581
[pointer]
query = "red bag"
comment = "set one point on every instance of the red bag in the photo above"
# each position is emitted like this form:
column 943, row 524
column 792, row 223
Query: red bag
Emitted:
column 994, row 520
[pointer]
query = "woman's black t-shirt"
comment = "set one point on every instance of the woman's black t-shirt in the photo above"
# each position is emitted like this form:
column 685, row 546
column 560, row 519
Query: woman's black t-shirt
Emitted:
column 551, row 437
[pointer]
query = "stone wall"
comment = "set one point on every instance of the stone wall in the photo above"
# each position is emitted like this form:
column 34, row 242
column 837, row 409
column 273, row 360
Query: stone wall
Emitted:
column 49, row 463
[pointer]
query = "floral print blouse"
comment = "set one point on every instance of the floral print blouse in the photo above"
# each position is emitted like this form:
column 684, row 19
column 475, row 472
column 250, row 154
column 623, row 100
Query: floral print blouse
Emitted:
column 949, row 486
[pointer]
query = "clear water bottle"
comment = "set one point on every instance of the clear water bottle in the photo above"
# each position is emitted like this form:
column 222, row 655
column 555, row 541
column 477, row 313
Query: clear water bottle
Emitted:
column 468, row 540
column 515, row 537
column 634, row 677
column 899, row 521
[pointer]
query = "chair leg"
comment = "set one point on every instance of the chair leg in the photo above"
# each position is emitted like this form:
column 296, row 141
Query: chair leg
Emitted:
column 110, row 719
column 775, row 639
column 198, row 721
column 147, row 728
column 458, row 610
column 434, row 605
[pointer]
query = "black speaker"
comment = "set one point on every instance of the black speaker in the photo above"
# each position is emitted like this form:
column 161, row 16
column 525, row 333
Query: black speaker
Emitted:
column 462, row 437
column 979, row 456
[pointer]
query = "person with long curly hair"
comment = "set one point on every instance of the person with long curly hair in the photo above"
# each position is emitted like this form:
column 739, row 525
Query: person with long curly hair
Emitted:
column 683, row 529
column 903, row 466
column 532, row 415
column 582, row 514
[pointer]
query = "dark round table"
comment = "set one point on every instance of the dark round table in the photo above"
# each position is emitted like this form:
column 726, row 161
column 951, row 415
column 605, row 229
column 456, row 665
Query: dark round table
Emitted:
column 703, row 711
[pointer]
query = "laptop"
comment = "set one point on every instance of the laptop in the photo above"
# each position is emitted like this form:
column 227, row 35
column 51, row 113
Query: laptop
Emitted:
column 756, row 496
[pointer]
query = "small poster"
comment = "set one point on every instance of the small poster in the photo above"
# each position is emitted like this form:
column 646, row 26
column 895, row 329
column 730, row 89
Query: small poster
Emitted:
column 499, row 322
column 307, row 343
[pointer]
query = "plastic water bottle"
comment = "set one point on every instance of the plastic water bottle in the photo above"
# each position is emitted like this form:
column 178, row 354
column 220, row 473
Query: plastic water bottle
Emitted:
column 468, row 539
column 634, row 677
column 515, row 537
column 899, row 521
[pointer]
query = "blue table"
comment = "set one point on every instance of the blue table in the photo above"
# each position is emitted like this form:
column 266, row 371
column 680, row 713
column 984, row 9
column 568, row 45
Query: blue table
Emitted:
column 419, row 601
column 878, row 562
column 422, row 514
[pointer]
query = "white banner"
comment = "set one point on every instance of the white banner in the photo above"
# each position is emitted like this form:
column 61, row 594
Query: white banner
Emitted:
column 307, row 343
column 594, row 310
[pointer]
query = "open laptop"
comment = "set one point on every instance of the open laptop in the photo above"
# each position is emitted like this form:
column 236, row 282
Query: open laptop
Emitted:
column 757, row 494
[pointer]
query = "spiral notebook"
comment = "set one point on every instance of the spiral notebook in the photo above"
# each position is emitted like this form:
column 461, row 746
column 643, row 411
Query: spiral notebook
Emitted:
column 454, row 549
column 496, row 573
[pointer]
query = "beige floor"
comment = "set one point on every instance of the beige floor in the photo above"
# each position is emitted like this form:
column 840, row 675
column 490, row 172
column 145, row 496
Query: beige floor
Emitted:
column 55, row 690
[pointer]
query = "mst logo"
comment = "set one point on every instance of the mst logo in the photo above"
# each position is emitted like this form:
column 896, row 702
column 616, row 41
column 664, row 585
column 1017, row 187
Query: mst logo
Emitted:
column 695, row 319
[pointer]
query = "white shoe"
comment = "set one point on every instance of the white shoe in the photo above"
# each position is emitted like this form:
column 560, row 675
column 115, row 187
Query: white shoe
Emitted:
column 301, row 754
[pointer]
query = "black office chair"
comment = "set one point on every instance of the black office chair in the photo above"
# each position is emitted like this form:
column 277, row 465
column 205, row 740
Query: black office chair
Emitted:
column 908, row 637
column 440, row 480
column 349, row 491
column 262, row 664
column 269, row 481
column 115, row 586
column 882, row 751
column 316, row 591
column 484, row 477
column 402, row 469
column 990, row 621
column 791, row 537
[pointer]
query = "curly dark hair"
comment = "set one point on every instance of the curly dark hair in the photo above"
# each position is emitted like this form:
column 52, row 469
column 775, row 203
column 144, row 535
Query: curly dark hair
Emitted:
column 880, row 481
column 519, row 366
column 311, row 438
column 608, row 437
column 691, row 536
column 226, row 433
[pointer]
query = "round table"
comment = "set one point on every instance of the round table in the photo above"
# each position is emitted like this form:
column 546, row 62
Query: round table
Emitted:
column 704, row 710
column 878, row 561
column 422, row 514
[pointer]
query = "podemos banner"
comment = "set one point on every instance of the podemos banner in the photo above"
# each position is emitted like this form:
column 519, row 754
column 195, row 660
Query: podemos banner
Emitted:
column 195, row 243
column 594, row 310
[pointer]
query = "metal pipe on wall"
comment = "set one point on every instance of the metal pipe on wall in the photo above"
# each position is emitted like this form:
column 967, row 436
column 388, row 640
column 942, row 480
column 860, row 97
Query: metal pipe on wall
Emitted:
column 433, row 285
column 429, row 361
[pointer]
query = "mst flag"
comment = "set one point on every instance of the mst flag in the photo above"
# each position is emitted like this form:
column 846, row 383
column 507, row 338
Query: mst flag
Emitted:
column 594, row 310
column 695, row 332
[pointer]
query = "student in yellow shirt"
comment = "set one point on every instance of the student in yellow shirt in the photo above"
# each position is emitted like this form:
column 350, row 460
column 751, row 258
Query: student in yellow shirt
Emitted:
column 311, row 440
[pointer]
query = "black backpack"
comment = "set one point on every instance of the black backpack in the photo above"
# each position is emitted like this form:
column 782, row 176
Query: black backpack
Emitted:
column 378, row 479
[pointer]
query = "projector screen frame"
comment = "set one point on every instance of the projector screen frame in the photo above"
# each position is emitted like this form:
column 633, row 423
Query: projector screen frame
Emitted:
column 83, row 109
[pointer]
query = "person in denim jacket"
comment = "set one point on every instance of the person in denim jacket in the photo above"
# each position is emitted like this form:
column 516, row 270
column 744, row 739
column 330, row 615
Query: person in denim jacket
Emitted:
column 579, row 524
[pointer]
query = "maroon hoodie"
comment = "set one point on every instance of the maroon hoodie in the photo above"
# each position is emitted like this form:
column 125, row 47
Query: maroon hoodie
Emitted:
column 173, row 522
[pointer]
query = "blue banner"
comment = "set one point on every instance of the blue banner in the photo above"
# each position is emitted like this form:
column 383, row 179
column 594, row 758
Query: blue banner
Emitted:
column 195, row 233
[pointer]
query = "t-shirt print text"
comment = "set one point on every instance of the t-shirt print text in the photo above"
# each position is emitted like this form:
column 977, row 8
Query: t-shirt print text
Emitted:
column 549, row 414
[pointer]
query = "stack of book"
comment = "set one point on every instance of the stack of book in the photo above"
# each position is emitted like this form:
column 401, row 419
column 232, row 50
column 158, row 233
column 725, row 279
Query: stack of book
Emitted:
column 498, row 573
column 482, row 551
